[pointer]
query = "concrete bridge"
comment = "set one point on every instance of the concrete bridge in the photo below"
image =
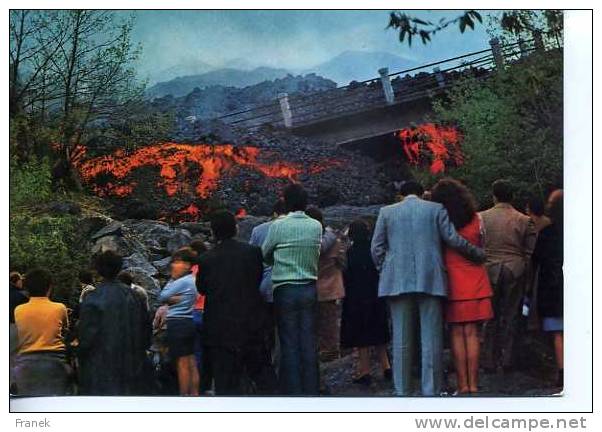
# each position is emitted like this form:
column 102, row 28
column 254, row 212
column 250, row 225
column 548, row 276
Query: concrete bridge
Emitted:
column 387, row 103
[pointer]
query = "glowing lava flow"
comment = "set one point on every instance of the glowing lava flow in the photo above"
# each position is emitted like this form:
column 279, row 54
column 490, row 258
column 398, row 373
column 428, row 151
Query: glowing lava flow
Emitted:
column 174, row 161
column 442, row 142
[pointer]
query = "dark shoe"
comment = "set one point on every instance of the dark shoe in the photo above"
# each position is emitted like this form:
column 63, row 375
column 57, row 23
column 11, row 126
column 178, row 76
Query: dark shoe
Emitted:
column 388, row 374
column 363, row 380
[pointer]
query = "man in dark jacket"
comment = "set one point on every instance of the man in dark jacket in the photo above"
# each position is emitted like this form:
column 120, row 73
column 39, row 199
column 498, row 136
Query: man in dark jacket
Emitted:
column 114, row 333
column 235, row 315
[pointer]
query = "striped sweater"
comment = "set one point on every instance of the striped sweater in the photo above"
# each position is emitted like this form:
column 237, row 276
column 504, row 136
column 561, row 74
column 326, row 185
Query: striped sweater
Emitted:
column 292, row 247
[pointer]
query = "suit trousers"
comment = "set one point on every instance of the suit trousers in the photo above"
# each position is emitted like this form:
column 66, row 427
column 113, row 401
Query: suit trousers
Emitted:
column 430, row 316
column 500, row 332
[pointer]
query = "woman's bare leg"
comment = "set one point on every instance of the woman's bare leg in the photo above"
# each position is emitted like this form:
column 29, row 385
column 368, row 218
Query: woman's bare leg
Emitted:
column 471, row 335
column 194, row 376
column 559, row 349
column 363, row 363
column 383, row 357
column 458, row 348
column 183, row 375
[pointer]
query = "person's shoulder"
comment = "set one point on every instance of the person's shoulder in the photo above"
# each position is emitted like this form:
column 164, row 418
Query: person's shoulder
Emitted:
column 254, row 252
column 487, row 212
column 22, row 307
column 273, row 225
column 317, row 226
column 58, row 305
column 432, row 205
column 550, row 231
column 263, row 226
column 390, row 207
column 188, row 279
column 243, row 246
column 521, row 216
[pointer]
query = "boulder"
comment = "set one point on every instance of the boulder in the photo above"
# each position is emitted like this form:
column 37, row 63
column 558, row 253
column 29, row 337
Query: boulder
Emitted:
column 65, row 207
column 146, row 281
column 341, row 216
column 163, row 266
column 113, row 229
column 178, row 239
column 92, row 224
column 114, row 243
column 151, row 229
column 138, row 260
column 196, row 228
column 246, row 225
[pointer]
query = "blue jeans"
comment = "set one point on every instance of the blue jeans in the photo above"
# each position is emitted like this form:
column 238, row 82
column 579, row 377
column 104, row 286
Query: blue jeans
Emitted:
column 296, row 315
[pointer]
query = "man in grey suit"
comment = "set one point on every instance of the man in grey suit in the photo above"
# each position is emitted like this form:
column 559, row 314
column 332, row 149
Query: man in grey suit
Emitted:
column 407, row 251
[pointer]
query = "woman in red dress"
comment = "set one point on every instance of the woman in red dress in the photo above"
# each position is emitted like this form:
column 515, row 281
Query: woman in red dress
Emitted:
column 469, row 290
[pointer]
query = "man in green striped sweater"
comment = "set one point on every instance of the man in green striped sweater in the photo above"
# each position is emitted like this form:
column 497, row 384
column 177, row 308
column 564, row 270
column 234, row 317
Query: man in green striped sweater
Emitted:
column 292, row 248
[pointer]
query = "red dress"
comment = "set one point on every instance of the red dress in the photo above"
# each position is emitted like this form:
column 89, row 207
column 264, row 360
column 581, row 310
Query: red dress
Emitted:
column 469, row 291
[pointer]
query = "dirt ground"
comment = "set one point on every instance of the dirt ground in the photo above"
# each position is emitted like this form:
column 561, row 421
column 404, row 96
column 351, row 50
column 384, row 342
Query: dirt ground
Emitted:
column 534, row 374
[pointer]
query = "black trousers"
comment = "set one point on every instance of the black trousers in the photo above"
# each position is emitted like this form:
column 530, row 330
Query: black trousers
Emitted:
column 242, row 370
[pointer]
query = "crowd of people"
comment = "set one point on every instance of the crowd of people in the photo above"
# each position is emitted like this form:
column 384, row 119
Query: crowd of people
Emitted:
column 239, row 318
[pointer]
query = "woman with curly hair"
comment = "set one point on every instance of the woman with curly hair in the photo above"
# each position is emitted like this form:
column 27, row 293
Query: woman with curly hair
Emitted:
column 469, row 290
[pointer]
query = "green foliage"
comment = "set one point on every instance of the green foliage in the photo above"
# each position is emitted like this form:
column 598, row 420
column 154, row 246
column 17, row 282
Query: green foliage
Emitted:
column 49, row 242
column 411, row 26
column 522, row 22
column 30, row 182
column 37, row 239
column 512, row 127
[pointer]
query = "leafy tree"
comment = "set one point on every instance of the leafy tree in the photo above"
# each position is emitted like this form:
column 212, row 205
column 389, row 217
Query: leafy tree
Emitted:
column 511, row 125
column 512, row 122
column 70, row 71
column 513, row 22
column 411, row 26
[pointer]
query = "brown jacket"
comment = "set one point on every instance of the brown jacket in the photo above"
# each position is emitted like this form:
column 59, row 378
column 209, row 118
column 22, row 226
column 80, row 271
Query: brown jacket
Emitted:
column 330, row 268
column 509, row 239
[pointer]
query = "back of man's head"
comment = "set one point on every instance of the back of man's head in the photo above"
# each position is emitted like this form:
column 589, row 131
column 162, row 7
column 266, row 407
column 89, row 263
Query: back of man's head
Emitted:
column 223, row 225
column 108, row 264
column 37, row 282
column 125, row 277
column 86, row 277
column 279, row 207
column 295, row 197
column 502, row 191
column 411, row 187
column 198, row 246
column 15, row 277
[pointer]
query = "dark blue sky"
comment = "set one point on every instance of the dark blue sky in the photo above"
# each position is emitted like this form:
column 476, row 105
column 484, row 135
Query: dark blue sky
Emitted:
column 289, row 39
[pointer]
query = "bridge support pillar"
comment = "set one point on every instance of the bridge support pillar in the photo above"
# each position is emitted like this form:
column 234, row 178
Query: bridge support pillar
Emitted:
column 498, row 57
column 439, row 77
column 538, row 40
column 287, row 114
column 522, row 47
column 386, row 82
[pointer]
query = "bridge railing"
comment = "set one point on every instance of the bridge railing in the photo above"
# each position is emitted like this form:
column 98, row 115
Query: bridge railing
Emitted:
column 389, row 88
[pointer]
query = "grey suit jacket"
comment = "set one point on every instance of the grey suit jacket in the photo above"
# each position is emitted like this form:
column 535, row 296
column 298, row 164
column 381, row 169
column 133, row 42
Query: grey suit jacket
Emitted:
column 407, row 247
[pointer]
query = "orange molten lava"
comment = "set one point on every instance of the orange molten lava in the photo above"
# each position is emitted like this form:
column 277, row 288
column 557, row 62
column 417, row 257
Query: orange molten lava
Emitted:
column 441, row 142
column 175, row 161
